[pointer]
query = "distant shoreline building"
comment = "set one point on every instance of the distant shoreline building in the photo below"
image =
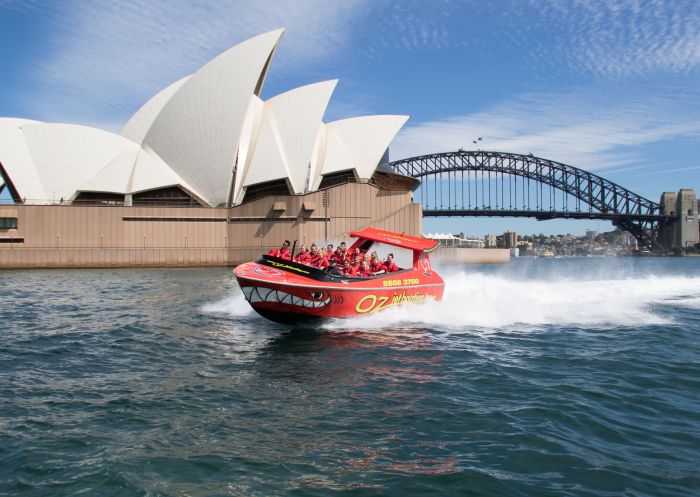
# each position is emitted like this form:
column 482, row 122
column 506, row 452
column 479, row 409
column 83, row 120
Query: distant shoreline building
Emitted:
column 450, row 240
column 490, row 241
column 458, row 249
column 510, row 239
column 204, row 173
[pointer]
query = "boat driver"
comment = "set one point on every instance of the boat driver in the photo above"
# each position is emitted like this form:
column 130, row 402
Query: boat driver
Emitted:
column 333, row 270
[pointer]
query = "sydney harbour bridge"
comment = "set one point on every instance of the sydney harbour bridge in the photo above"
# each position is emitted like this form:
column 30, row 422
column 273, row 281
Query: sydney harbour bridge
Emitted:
column 484, row 183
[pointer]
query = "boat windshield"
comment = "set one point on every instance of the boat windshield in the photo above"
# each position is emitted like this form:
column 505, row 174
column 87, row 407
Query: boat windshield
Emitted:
column 402, row 257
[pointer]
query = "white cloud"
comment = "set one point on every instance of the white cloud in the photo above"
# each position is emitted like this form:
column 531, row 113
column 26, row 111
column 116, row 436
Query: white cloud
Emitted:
column 574, row 127
column 412, row 26
column 615, row 38
column 106, row 58
column 605, row 38
column 669, row 171
column 109, row 57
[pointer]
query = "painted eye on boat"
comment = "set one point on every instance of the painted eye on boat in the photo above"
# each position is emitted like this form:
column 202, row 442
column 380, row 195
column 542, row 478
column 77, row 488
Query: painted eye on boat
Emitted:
column 317, row 295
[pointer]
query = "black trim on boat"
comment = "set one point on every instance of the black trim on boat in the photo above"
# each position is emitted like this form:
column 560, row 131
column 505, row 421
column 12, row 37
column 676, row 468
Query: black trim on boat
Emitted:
column 311, row 272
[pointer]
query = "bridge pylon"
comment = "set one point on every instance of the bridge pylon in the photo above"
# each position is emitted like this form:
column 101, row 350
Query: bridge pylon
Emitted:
column 682, row 230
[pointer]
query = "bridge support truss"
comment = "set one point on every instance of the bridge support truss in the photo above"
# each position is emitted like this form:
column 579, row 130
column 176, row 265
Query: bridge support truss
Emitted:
column 483, row 183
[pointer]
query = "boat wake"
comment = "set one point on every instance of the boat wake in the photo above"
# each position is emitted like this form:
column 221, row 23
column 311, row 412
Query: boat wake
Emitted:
column 498, row 301
column 234, row 305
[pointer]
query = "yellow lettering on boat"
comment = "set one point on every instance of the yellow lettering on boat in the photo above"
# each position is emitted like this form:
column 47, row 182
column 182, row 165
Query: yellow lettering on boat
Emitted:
column 397, row 237
column 382, row 303
column 359, row 307
column 287, row 266
column 372, row 303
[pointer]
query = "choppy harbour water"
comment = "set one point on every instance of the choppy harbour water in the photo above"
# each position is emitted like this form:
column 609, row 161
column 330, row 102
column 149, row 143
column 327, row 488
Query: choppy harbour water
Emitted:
column 545, row 377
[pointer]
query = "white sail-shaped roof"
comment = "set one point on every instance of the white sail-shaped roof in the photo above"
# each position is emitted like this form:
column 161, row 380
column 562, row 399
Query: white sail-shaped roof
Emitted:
column 16, row 159
column 193, row 133
column 115, row 176
column 138, row 125
column 47, row 162
column 197, row 131
column 358, row 143
column 66, row 154
column 318, row 157
column 135, row 170
column 247, row 143
column 288, row 130
column 150, row 173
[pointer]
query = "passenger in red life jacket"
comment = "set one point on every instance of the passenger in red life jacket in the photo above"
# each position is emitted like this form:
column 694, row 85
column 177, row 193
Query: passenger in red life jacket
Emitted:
column 324, row 257
column 314, row 255
column 303, row 256
column 375, row 264
column 390, row 266
column 341, row 253
column 348, row 269
column 365, row 271
column 356, row 262
column 282, row 252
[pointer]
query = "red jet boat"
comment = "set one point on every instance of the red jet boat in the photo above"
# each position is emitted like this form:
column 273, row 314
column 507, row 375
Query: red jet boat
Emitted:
column 291, row 292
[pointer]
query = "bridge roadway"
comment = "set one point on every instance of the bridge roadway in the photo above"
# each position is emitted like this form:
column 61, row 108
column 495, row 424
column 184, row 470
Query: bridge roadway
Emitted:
column 542, row 215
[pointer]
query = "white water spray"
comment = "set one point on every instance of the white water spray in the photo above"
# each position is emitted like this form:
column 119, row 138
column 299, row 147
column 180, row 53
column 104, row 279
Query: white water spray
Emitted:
column 508, row 298
column 497, row 301
column 234, row 305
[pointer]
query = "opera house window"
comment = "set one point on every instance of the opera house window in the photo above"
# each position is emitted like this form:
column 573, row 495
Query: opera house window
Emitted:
column 8, row 223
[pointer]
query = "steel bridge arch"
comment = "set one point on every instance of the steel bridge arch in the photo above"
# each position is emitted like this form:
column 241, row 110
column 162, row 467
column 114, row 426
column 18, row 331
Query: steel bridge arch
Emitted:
column 604, row 199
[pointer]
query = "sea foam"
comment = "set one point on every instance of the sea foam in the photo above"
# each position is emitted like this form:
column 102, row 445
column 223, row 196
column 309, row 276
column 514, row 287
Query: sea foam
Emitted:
column 496, row 301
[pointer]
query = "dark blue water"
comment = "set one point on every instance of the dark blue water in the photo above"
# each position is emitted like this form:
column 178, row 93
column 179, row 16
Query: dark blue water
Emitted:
column 548, row 377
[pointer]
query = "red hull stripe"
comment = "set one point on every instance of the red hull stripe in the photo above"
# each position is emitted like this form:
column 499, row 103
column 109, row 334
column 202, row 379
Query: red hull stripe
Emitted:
column 344, row 288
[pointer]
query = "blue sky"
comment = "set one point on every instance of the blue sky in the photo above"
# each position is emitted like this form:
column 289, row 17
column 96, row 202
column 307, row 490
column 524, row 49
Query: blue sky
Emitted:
column 608, row 86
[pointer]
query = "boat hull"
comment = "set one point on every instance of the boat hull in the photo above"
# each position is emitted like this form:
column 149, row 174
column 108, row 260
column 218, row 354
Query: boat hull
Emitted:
column 293, row 293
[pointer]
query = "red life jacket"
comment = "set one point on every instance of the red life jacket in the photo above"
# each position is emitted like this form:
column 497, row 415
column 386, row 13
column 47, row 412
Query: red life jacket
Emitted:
column 303, row 257
column 376, row 266
column 314, row 259
column 340, row 258
column 284, row 254
column 324, row 262
column 390, row 267
column 365, row 273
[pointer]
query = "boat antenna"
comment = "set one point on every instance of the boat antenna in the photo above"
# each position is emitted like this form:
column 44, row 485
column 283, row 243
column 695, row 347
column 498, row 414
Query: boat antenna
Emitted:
column 294, row 247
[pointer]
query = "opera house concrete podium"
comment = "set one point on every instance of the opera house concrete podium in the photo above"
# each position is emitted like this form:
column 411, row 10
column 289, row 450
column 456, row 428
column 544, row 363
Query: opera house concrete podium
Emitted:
column 204, row 173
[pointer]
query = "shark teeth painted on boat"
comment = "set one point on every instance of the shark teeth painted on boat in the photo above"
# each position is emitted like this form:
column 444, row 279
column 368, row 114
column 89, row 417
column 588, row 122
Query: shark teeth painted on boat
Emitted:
column 255, row 294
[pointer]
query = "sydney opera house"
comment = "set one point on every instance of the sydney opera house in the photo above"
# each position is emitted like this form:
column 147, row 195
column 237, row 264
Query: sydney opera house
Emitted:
column 204, row 173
